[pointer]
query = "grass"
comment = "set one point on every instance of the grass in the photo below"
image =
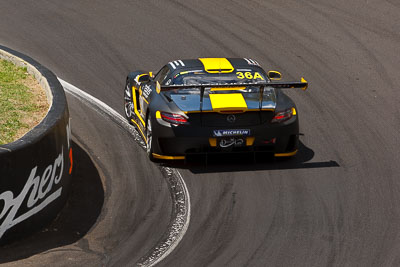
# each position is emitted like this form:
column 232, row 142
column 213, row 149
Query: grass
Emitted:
column 19, row 105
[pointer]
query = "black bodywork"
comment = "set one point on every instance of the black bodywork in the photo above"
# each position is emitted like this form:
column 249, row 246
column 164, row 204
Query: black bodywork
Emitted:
column 211, row 124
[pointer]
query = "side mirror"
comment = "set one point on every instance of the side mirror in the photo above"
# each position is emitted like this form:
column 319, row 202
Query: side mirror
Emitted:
column 151, row 74
column 144, row 78
column 274, row 75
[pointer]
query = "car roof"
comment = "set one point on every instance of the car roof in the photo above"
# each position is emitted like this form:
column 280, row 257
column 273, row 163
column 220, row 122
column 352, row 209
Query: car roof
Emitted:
column 214, row 65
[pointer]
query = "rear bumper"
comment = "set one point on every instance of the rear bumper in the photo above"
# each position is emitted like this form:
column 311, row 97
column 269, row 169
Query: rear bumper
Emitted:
column 165, row 157
column 178, row 141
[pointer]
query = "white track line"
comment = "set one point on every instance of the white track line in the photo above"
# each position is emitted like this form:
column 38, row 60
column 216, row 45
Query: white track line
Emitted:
column 98, row 104
column 180, row 224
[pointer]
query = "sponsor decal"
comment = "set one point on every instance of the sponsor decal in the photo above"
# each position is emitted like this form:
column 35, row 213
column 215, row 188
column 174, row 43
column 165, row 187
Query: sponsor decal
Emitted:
column 236, row 132
column 36, row 193
column 146, row 91
column 227, row 142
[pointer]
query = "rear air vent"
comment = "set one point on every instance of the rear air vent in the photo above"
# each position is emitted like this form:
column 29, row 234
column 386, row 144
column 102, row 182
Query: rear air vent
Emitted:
column 219, row 70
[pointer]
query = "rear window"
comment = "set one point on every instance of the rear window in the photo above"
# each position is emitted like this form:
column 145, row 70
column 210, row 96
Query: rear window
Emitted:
column 197, row 77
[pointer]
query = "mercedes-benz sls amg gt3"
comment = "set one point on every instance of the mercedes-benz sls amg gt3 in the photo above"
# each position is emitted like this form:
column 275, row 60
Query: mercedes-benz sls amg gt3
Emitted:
column 212, row 105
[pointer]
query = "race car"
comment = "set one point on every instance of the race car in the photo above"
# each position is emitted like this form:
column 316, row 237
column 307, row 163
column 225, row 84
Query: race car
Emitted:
column 212, row 105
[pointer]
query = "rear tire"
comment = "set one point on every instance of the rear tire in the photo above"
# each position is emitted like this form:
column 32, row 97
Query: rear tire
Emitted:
column 128, row 102
column 149, row 139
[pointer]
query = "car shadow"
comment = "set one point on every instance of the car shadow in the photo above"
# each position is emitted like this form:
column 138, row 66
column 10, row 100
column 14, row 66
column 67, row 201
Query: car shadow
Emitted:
column 249, row 162
column 80, row 213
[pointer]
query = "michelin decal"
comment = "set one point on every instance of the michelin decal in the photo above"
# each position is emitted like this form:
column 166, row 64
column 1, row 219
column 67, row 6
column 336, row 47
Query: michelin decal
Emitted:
column 235, row 132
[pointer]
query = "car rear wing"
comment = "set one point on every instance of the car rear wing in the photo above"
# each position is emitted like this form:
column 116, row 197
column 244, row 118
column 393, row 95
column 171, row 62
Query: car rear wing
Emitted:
column 303, row 84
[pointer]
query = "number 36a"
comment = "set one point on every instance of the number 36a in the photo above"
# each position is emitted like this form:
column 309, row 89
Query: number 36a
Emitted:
column 249, row 75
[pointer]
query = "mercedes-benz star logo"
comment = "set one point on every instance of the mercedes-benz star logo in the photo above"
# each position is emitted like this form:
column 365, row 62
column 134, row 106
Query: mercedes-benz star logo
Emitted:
column 231, row 118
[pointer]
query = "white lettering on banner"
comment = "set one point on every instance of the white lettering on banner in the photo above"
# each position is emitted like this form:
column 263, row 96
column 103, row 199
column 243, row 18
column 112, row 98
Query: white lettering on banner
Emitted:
column 69, row 133
column 38, row 187
column 220, row 133
column 146, row 91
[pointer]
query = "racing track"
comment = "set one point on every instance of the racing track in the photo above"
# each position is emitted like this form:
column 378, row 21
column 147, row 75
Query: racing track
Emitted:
column 336, row 204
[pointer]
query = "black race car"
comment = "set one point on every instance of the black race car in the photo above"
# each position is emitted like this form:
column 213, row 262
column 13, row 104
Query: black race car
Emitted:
column 212, row 105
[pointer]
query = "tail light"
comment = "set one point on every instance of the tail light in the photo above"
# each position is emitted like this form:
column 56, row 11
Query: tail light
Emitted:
column 284, row 115
column 174, row 118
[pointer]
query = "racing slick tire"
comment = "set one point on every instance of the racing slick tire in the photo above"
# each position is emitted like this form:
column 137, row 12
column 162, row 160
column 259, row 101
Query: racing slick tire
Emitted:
column 128, row 103
column 149, row 139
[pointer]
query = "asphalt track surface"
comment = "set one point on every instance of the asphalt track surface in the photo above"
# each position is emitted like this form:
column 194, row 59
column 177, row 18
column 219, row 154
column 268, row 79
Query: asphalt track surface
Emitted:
column 335, row 204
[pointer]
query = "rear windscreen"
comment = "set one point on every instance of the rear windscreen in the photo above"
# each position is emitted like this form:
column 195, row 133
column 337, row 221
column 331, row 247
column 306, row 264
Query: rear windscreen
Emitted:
column 197, row 77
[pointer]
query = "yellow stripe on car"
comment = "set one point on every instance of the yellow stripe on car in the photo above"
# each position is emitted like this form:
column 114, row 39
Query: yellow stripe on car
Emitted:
column 227, row 102
column 144, row 137
column 158, row 156
column 135, row 105
column 289, row 154
column 217, row 65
